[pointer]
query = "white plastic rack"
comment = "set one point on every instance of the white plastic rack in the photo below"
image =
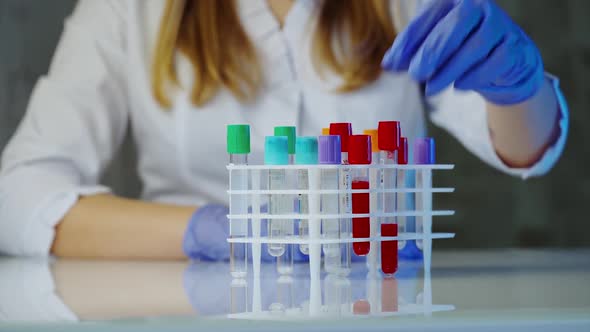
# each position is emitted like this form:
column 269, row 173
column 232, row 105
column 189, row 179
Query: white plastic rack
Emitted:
column 257, row 193
column 250, row 195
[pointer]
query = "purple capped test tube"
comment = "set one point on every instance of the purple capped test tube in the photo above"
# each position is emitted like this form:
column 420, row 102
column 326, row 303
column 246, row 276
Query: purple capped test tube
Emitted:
column 424, row 154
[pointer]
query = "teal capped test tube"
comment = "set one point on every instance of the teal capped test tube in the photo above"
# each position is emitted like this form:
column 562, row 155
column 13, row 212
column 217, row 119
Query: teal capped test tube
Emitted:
column 276, row 153
column 238, row 148
column 306, row 153
column 290, row 133
column 285, row 261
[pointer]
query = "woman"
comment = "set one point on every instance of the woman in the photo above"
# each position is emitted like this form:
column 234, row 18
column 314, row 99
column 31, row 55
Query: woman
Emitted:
column 178, row 71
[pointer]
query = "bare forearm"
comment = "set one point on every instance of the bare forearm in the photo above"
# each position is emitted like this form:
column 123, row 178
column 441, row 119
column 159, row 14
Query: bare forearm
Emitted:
column 105, row 226
column 521, row 133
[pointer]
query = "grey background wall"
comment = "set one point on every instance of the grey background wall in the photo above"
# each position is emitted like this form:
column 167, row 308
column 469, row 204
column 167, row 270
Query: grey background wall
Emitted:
column 493, row 210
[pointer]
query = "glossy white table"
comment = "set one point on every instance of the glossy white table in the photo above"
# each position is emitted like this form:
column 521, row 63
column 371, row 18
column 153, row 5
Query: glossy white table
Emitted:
column 508, row 290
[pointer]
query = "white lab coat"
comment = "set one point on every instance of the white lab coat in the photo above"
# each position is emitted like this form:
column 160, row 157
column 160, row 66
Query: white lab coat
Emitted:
column 99, row 82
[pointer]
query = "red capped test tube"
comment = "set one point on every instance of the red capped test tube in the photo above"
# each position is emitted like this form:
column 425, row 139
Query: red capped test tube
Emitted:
column 389, row 144
column 389, row 249
column 359, row 153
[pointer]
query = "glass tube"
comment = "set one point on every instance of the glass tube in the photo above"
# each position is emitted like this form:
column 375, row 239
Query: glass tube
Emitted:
column 238, row 227
column 361, row 205
column 278, row 204
column 330, row 227
column 285, row 261
column 345, row 224
column 303, row 208
column 422, row 184
column 389, row 249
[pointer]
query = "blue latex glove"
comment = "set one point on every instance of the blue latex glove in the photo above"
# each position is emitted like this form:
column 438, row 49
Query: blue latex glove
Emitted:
column 207, row 232
column 472, row 43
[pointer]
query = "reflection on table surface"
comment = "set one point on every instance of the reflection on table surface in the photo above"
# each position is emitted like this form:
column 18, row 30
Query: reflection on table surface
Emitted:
column 460, row 283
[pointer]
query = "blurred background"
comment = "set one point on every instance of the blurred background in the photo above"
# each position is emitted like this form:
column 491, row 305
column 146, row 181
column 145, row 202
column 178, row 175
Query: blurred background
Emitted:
column 493, row 210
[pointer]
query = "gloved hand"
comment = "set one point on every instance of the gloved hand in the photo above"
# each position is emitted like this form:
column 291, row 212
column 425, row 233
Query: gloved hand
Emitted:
column 472, row 43
column 207, row 232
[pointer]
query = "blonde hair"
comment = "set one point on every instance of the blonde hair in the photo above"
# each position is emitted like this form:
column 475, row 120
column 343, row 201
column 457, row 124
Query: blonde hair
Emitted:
column 350, row 38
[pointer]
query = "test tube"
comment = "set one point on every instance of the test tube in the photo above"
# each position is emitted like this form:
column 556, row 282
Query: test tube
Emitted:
column 359, row 153
column 285, row 261
column 306, row 153
column 423, row 155
column 290, row 133
column 376, row 200
column 276, row 153
column 336, row 256
column 344, row 130
column 389, row 137
column 402, row 198
column 238, row 148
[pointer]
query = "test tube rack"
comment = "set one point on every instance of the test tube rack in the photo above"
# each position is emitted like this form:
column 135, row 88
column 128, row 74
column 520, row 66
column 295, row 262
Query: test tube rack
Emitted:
column 258, row 193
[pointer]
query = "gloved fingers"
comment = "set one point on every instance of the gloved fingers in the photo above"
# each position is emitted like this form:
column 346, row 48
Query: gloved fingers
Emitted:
column 189, row 246
column 213, row 237
column 526, row 62
column 485, row 73
column 206, row 234
column 402, row 51
column 445, row 39
column 512, row 74
column 473, row 51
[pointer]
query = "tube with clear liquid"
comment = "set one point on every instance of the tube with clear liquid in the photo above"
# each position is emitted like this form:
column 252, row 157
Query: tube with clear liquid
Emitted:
column 376, row 200
column 419, row 207
column 329, row 204
column 276, row 153
column 278, row 204
column 306, row 153
column 303, row 207
column 402, row 198
column 336, row 256
column 238, row 227
column 343, row 131
column 238, row 147
column 424, row 155
column 345, row 224
column 285, row 261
